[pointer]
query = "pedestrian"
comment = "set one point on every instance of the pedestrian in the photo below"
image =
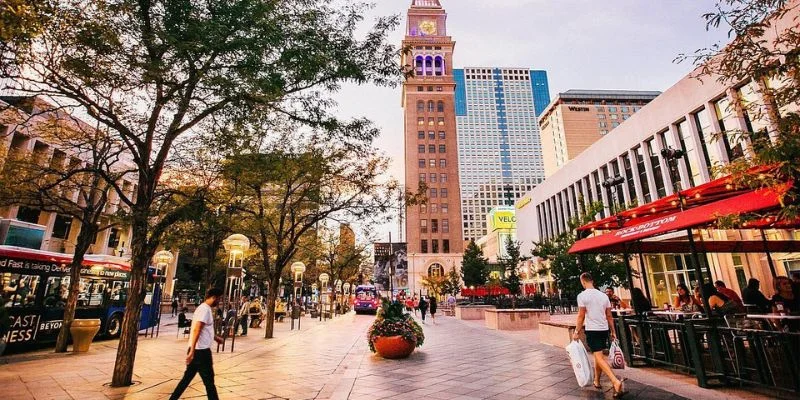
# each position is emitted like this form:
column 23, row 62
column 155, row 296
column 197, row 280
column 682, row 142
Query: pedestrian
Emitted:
column 432, row 307
column 198, row 358
column 594, row 314
column 244, row 312
column 174, row 306
column 415, row 304
column 423, row 307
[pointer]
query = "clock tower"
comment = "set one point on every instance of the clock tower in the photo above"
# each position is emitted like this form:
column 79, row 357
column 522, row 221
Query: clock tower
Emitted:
column 433, row 230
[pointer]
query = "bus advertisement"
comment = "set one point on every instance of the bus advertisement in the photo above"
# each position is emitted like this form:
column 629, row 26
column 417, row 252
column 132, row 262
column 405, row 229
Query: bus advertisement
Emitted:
column 35, row 287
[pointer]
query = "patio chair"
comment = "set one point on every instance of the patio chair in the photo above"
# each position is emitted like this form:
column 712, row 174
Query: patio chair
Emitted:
column 740, row 341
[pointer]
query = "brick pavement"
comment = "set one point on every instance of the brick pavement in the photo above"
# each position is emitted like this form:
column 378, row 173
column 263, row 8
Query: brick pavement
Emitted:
column 329, row 360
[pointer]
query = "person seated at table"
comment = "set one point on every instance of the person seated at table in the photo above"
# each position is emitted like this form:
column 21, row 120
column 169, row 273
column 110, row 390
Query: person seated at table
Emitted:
column 752, row 295
column 720, row 286
column 613, row 298
column 685, row 301
column 784, row 297
column 796, row 283
column 720, row 304
column 641, row 304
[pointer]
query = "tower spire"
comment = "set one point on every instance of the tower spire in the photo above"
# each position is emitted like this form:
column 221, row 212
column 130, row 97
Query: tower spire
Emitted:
column 426, row 3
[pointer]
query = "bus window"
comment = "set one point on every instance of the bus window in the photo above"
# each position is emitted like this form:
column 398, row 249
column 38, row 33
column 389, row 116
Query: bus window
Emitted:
column 19, row 290
column 56, row 291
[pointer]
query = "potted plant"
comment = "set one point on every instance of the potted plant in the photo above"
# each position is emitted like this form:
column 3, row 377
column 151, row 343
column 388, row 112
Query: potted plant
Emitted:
column 394, row 334
column 5, row 325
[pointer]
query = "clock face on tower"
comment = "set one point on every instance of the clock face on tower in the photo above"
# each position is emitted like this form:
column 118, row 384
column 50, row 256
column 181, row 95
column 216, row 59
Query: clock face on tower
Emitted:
column 428, row 27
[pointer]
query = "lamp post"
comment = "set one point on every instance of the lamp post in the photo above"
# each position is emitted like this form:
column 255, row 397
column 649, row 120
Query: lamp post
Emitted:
column 162, row 260
column 346, row 289
column 314, row 297
column 611, row 184
column 336, row 295
column 323, row 278
column 298, row 269
column 236, row 246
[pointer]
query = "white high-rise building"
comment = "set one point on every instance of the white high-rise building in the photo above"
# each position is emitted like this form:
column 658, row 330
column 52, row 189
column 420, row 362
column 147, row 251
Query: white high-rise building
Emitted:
column 499, row 147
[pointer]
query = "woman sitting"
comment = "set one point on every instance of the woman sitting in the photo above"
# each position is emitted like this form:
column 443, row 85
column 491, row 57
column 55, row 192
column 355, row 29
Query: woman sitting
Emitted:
column 720, row 304
column 685, row 301
column 784, row 299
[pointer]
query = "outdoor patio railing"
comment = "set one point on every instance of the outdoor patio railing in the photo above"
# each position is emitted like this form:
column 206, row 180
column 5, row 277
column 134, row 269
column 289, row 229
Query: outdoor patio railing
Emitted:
column 714, row 352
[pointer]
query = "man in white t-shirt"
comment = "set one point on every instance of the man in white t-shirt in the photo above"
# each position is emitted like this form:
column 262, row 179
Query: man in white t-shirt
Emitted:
column 594, row 314
column 198, row 358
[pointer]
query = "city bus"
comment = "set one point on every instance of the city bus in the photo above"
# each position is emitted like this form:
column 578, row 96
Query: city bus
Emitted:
column 367, row 299
column 35, row 285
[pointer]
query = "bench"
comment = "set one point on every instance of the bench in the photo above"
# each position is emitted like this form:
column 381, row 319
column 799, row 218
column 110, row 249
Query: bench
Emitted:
column 515, row 320
column 557, row 334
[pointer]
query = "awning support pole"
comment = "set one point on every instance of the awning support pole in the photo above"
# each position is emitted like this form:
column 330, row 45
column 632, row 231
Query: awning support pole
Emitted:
column 769, row 255
column 698, row 270
column 642, row 269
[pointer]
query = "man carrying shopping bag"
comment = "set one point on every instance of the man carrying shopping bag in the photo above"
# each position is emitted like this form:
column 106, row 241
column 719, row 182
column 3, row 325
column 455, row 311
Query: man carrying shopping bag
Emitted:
column 594, row 313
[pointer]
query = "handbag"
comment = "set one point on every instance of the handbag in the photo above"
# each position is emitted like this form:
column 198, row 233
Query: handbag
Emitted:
column 579, row 358
column 615, row 357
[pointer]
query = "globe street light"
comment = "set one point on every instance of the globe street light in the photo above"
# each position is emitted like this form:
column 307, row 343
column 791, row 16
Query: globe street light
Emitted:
column 162, row 260
column 236, row 246
column 323, row 278
column 298, row 268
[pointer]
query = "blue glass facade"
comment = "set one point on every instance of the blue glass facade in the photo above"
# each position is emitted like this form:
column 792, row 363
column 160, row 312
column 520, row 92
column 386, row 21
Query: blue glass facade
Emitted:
column 461, row 92
column 541, row 90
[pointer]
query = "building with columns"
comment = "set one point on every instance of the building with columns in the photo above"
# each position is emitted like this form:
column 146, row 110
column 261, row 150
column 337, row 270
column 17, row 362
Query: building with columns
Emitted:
column 433, row 230
column 698, row 117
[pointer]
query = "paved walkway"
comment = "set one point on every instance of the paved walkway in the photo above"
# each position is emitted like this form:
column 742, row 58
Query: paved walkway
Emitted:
column 328, row 360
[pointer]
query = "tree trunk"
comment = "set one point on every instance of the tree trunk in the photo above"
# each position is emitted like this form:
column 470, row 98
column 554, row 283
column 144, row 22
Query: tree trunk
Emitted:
column 128, row 341
column 84, row 241
column 272, row 295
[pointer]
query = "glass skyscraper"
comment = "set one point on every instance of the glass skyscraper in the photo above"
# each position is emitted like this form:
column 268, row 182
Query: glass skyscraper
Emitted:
column 499, row 147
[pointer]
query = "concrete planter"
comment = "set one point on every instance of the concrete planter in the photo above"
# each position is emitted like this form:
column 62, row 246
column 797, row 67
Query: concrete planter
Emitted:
column 471, row 312
column 558, row 334
column 515, row 320
column 83, row 332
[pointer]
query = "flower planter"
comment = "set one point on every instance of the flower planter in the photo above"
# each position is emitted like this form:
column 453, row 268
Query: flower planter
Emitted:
column 393, row 347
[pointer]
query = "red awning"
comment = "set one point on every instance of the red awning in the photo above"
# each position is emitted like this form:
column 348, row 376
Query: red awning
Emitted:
column 657, row 224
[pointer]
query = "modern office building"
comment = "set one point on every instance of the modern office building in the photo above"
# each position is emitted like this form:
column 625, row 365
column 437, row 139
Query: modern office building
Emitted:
column 499, row 150
column 701, row 118
column 575, row 119
column 433, row 230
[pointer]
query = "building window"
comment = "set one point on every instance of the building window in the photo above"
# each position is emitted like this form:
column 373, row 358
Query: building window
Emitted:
column 444, row 208
column 445, row 226
column 422, row 177
column 441, row 121
column 443, row 178
column 432, row 148
column 614, row 116
column 434, row 226
column 442, row 163
column 642, row 174
column 614, row 124
column 423, row 246
column 703, row 124
column 434, row 208
column 432, row 135
column 442, row 148
column 431, row 121
column 421, row 121
column 626, row 163
column 658, row 175
column 421, row 148
column 443, row 192
column 434, row 250
column 420, row 88
column 423, row 209
column 625, row 116
column 62, row 226
column 431, row 106
column 433, row 177
column 420, row 106
column 442, row 135
column 601, row 116
column 430, row 88
column 113, row 238
column 420, row 134
column 440, row 106
column 602, row 124
column 432, row 163
column 28, row 214
column 423, row 225
column 438, row 88
column 612, row 109
column 433, row 193
column 422, row 163
column 604, row 132
column 690, row 157
column 445, row 245
column 623, row 109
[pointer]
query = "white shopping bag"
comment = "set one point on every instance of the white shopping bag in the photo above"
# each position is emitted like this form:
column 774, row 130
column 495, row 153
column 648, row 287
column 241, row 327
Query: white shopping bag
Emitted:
column 615, row 357
column 579, row 359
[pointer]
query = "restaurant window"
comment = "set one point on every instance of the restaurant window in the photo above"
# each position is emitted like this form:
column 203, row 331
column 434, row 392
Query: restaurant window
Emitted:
column 423, row 246
column 445, row 226
column 690, row 154
column 62, row 226
column 639, row 154
column 665, row 272
column 445, row 245
column 423, row 226
column 658, row 175
column 435, row 247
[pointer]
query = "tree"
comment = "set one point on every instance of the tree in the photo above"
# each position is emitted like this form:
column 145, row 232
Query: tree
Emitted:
column 764, row 53
column 284, row 193
column 606, row 269
column 69, row 185
column 453, row 285
column 509, row 263
column 474, row 266
column 435, row 285
column 154, row 71
column 340, row 257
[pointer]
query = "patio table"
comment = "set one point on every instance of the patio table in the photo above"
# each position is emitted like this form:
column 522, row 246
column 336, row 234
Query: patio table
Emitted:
column 773, row 316
column 674, row 315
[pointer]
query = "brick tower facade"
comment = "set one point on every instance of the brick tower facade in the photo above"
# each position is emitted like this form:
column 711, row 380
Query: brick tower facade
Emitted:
column 433, row 230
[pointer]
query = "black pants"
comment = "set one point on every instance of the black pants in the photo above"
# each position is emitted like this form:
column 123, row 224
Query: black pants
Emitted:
column 423, row 311
column 174, row 310
column 243, row 324
column 203, row 364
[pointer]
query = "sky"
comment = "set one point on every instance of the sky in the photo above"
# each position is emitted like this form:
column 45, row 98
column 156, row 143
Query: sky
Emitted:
column 582, row 44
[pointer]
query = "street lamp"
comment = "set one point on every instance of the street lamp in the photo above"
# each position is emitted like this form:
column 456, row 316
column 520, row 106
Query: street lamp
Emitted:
column 162, row 260
column 298, row 268
column 346, row 288
column 611, row 184
column 323, row 278
column 236, row 246
column 337, row 298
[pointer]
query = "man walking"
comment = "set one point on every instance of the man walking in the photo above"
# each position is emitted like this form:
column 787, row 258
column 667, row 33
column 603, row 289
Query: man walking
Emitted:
column 174, row 306
column 594, row 313
column 198, row 358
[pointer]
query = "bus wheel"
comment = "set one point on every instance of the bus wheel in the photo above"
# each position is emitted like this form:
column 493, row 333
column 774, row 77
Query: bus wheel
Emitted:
column 114, row 326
